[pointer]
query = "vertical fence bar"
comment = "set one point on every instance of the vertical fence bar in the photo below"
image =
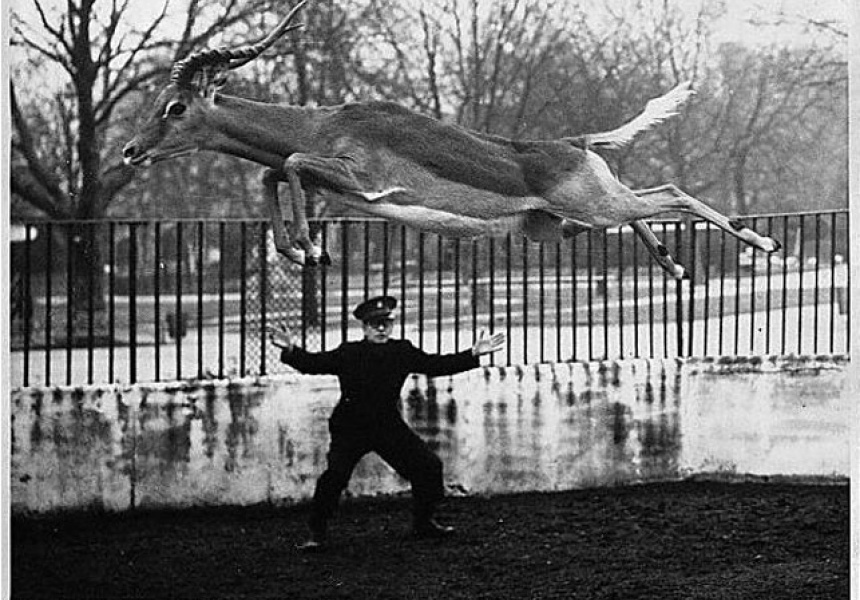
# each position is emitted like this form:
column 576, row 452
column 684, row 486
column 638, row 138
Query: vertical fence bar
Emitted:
column 525, row 292
column 366, row 260
column 264, row 295
column 27, row 302
column 324, row 291
column 403, row 266
column 817, row 282
column 541, row 302
column 620, row 267
column 456, row 294
column 111, row 301
column 70, row 299
column 847, row 288
column 49, row 299
column 243, row 297
column 691, row 316
column 834, row 305
column 222, row 260
column 635, row 250
column 800, row 286
column 665, row 282
column 177, row 314
column 604, row 242
column 784, row 323
column 476, row 295
column 769, row 290
column 590, row 293
column 344, row 281
column 492, row 298
column 421, row 319
column 737, row 297
column 558, row 297
column 707, row 299
column 508, row 271
column 91, row 309
column 679, row 298
column 573, row 299
column 439, row 283
column 651, row 311
column 753, row 280
column 200, row 272
column 385, row 258
column 156, row 292
column 132, row 302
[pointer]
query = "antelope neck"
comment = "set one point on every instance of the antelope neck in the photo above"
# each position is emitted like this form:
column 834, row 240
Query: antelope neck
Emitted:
column 262, row 132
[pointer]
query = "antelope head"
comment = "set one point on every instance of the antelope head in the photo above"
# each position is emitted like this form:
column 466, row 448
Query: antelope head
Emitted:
column 176, row 124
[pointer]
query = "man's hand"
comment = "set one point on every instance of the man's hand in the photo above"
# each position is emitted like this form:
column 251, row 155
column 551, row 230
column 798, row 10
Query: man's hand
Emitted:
column 280, row 337
column 485, row 345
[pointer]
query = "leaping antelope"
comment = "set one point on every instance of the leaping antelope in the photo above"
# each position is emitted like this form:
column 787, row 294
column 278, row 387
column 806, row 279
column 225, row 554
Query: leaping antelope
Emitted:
column 390, row 162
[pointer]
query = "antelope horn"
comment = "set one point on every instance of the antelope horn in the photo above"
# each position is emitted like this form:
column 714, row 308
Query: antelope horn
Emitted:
column 184, row 70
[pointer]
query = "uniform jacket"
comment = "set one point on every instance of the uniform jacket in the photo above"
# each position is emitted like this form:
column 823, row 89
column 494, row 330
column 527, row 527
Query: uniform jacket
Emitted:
column 372, row 375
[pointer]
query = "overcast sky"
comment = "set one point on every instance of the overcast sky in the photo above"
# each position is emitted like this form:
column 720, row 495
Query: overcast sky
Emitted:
column 733, row 27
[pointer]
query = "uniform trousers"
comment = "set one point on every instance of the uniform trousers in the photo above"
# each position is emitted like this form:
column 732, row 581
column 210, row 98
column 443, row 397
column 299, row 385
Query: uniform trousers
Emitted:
column 398, row 446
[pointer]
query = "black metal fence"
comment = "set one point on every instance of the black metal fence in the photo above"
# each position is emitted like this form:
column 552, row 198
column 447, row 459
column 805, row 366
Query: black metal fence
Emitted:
column 131, row 301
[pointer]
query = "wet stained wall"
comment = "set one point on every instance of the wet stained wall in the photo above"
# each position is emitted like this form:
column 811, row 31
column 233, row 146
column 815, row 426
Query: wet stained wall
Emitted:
column 497, row 429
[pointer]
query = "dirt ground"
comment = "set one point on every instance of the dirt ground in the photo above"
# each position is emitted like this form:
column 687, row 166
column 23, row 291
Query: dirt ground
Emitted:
column 662, row 541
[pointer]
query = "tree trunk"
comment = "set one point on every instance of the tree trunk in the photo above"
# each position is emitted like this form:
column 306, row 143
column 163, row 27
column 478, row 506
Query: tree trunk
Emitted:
column 87, row 289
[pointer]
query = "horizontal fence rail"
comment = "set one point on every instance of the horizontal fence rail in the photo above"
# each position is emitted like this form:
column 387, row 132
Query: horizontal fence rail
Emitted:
column 132, row 301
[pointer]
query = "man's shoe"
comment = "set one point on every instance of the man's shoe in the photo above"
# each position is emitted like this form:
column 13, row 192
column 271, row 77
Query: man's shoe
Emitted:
column 432, row 529
column 311, row 545
column 317, row 541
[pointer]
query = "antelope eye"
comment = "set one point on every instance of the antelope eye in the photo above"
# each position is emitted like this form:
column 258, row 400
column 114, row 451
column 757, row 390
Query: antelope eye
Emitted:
column 174, row 109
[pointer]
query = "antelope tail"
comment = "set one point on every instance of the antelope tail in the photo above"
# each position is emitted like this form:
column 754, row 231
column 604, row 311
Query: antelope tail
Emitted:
column 656, row 111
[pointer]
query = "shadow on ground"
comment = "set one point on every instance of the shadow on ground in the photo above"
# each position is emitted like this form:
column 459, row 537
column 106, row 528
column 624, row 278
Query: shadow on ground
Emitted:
column 677, row 540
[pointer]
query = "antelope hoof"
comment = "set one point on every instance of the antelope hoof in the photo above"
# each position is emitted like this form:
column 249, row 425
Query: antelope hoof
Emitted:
column 771, row 245
column 317, row 256
column 294, row 255
column 680, row 273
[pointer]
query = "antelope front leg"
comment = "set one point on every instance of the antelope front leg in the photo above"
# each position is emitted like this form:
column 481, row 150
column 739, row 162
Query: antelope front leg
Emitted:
column 658, row 250
column 301, row 229
column 271, row 177
column 318, row 254
column 337, row 173
column 669, row 198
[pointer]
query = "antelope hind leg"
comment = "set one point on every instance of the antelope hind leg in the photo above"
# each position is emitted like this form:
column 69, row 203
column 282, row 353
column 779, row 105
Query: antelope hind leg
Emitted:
column 668, row 198
column 541, row 226
column 658, row 250
column 271, row 177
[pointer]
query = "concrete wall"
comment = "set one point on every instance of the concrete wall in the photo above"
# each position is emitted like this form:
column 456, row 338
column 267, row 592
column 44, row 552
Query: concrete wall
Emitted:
column 543, row 427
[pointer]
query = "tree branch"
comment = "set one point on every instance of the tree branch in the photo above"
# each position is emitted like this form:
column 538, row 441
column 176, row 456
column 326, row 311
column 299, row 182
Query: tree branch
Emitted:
column 114, row 179
column 105, row 107
column 23, row 184
column 56, row 33
column 48, row 180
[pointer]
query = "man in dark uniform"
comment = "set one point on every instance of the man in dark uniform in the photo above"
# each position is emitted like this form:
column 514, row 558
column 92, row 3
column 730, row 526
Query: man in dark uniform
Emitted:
column 367, row 417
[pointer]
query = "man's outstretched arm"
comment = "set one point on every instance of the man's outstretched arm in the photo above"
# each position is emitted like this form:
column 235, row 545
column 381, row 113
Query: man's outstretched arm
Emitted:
column 436, row 365
column 313, row 363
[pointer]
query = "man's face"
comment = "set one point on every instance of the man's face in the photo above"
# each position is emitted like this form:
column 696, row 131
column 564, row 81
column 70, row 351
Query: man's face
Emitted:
column 378, row 329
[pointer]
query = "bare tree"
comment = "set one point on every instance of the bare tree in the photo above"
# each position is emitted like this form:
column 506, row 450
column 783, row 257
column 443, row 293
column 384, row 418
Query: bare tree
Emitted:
column 65, row 155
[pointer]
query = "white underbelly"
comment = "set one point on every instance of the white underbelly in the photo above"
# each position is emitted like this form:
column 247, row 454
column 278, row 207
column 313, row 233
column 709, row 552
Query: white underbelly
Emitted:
column 443, row 222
